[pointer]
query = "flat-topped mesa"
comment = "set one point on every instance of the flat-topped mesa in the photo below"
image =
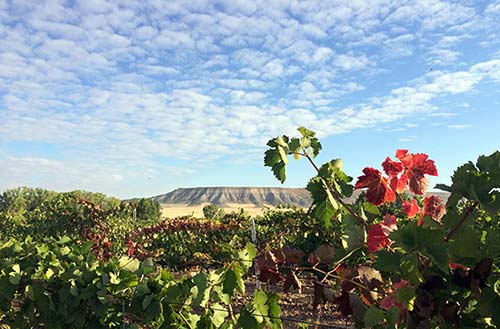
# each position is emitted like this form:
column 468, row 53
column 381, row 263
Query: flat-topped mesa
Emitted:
column 259, row 196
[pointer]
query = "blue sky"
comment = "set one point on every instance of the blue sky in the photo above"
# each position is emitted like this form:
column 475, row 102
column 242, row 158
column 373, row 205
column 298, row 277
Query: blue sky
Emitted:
column 136, row 98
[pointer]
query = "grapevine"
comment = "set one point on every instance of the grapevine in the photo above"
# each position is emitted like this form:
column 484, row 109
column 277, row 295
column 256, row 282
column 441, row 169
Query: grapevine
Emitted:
column 404, row 258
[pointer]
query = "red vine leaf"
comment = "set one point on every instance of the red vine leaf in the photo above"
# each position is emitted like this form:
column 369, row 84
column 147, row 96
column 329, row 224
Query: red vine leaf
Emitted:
column 392, row 168
column 433, row 207
column 292, row 281
column 287, row 255
column 410, row 208
column 398, row 185
column 391, row 300
column 343, row 304
column 269, row 275
column 372, row 279
column 455, row 266
column 322, row 294
column 323, row 254
column 378, row 234
column 400, row 153
column 415, row 167
column 379, row 191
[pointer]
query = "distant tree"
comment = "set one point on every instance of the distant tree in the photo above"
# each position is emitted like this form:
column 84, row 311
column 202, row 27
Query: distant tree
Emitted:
column 148, row 210
column 212, row 211
column 14, row 201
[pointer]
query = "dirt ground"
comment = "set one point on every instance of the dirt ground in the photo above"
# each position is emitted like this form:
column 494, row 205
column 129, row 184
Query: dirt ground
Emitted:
column 175, row 210
column 297, row 310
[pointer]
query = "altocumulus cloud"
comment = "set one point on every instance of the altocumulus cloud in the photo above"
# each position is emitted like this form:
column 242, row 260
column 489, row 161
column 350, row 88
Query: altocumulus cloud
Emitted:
column 119, row 90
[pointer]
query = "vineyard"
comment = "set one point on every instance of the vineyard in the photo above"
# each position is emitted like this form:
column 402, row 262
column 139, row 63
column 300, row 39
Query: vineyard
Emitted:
column 395, row 258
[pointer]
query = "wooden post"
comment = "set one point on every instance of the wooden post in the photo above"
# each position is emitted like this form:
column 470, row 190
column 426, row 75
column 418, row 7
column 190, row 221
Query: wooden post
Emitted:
column 255, row 266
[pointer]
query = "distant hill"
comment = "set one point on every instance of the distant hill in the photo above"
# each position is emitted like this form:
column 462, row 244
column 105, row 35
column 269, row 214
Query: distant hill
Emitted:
column 259, row 196
column 221, row 196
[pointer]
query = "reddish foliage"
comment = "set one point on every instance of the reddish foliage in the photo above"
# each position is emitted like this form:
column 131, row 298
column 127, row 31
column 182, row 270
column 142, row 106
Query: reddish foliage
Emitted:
column 292, row 281
column 410, row 208
column 269, row 275
column 415, row 167
column 409, row 172
column 343, row 303
column 391, row 299
column 98, row 231
column 455, row 266
column 433, row 207
column 147, row 234
column 322, row 254
column 268, row 263
column 398, row 184
column 288, row 255
column 379, row 191
column 378, row 234
column 392, row 168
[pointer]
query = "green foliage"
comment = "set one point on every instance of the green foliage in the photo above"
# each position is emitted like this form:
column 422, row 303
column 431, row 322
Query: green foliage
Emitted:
column 177, row 243
column 41, row 213
column 277, row 156
column 262, row 312
column 148, row 210
column 60, row 284
column 79, row 260
column 291, row 227
column 479, row 182
column 435, row 271
column 212, row 211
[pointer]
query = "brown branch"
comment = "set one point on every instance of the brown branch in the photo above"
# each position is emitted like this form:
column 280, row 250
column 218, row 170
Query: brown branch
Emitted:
column 338, row 277
column 336, row 267
column 465, row 214
column 184, row 319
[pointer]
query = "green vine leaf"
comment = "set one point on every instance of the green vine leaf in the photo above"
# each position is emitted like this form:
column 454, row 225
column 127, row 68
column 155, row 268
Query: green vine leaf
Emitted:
column 354, row 234
column 373, row 316
column 219, row 315
column 306, row 133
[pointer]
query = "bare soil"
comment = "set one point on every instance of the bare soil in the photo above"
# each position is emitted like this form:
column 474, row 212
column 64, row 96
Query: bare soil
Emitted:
column 176, row 210
column 296, row 308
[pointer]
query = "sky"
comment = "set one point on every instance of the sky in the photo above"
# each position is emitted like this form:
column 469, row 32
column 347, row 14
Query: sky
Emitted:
column 137, row 98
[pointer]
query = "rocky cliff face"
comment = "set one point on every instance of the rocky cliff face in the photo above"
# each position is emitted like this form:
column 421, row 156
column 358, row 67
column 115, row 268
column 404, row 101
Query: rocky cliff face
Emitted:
column 221, row 196
column 259, row 196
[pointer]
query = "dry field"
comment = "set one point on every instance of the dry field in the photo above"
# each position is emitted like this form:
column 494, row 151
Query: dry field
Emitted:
column 176, row 210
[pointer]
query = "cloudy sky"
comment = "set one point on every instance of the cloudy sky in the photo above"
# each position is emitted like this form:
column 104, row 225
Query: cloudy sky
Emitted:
column 136, row 98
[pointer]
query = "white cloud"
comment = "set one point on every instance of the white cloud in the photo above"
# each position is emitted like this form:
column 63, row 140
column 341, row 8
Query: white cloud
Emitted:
column 399, row 46
column 314, row 31
column 322, row 54
column 158, row 70
column 493, row 8
column 173, row 39
column 273, row 68
column 443, row 57
column 457, row 126
column 145, row 32
column 182, row 80
column 408, row 139
column 430, row 14
column 351, row 62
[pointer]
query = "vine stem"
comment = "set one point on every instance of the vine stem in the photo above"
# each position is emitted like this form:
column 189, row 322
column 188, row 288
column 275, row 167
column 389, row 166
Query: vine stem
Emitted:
column 336, row 267
column 338, row 277
column 231, row 314
column 184, row 319
column 465, row 214
column 328, row 274
column 334, row 193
